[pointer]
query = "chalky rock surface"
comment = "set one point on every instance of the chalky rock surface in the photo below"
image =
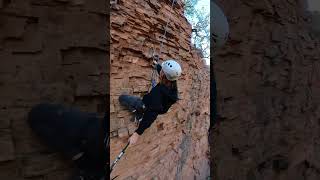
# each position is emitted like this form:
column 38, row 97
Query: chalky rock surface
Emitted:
column 50, row 51
column 176, row 145
column 268, row 94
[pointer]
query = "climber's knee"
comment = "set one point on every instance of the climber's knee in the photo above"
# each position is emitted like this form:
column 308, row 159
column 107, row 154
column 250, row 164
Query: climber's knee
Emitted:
column 130, row 102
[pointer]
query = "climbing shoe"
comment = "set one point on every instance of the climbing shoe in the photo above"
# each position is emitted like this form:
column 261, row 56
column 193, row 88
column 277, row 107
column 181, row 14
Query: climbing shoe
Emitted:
column 138, row 117
column 138, row 114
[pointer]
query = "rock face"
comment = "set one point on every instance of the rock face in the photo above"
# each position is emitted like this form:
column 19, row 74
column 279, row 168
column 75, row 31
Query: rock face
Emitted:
column 176, row 145
column 49, row 51
column 268, row 94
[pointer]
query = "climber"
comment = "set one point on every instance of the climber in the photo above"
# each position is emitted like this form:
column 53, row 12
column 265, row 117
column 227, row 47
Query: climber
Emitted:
column 79, row 136
column 157, row 101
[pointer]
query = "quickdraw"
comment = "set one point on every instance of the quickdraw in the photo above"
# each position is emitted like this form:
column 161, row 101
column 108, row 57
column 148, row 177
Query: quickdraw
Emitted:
column 118, row 158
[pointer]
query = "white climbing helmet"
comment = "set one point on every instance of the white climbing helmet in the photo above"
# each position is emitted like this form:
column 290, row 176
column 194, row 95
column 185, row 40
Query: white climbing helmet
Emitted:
column 219, row 27
column 171, row 69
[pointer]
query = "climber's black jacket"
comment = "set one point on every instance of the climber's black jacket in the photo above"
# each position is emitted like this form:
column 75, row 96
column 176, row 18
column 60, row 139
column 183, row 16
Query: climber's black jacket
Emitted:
column 157, row 101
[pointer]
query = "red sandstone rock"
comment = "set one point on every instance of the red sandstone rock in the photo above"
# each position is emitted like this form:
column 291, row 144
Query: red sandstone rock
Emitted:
column 268, row 98
column 163, row 152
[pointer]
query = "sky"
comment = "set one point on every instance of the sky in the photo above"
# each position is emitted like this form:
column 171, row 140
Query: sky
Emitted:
column 206, row 5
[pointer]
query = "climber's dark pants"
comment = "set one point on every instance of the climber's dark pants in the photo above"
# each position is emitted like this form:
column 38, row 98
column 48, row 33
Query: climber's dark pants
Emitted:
column 71, row 132
column 131, row 102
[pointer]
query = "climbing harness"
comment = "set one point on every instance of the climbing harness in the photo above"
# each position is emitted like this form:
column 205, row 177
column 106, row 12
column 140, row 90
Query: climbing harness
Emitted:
column 155, row 56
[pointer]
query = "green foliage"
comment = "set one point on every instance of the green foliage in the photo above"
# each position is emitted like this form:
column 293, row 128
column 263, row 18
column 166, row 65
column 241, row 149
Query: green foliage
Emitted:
column 200, row 20
column 190, row 8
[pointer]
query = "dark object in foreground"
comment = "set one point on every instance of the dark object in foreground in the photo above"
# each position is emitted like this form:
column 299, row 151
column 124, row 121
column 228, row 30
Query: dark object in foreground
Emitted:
column 77, row 135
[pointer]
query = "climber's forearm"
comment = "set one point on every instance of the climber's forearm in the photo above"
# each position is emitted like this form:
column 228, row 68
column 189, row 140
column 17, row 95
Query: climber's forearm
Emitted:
column 148, row 118
column 142, row 127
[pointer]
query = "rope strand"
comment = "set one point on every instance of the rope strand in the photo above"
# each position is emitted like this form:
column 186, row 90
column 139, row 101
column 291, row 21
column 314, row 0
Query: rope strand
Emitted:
column 165, row 29
column 154, row 73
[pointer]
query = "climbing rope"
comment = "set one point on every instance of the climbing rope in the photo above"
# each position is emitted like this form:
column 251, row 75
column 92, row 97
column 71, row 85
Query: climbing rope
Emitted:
column 118, row 157
column 155, row 57
column 165, row 29
column 154, row 74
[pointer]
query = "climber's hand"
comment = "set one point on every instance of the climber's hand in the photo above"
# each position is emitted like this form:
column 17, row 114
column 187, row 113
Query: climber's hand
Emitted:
column 134, row 138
